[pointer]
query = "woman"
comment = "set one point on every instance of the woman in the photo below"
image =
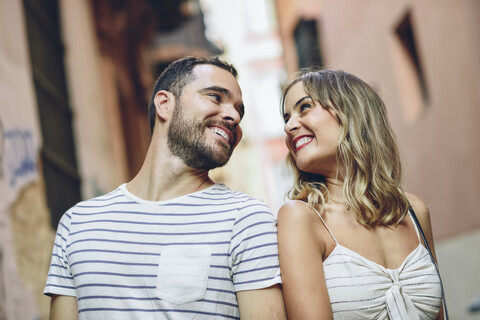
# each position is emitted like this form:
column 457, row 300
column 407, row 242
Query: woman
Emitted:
column 348, row 248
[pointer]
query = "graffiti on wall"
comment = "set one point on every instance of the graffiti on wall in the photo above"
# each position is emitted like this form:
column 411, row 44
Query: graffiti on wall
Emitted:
column 17, row 155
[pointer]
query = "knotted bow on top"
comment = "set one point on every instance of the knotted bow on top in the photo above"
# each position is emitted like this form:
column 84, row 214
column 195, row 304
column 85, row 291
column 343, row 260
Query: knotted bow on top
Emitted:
column 399, row 305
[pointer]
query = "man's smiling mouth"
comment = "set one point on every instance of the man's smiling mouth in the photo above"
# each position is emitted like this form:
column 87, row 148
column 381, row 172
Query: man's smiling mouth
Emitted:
column 220, row 132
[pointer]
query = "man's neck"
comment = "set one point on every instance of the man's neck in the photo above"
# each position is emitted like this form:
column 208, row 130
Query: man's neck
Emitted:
column 164, row 176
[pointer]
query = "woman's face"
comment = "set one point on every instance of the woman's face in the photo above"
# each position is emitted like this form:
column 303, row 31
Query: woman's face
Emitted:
column 312, row 132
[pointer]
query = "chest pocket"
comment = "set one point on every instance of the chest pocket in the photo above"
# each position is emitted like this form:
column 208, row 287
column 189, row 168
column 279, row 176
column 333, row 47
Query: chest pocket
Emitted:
column 183, row 274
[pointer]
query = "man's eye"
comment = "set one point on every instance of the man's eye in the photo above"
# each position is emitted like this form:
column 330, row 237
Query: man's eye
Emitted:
column 215, row 96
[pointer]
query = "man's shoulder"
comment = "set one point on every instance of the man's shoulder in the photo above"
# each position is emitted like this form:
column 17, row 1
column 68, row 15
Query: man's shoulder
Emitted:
column 242, row 199
column 115, row 196
column 93, row 204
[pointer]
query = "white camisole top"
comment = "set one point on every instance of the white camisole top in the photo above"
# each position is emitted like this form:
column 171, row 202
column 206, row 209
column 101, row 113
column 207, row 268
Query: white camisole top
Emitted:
column 362, row 289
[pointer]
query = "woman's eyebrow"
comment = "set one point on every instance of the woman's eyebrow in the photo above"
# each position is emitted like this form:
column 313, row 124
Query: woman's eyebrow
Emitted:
column 295, row 106
column 300, row 101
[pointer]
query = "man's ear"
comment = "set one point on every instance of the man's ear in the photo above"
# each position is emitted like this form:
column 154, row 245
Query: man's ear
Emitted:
column 164, row 104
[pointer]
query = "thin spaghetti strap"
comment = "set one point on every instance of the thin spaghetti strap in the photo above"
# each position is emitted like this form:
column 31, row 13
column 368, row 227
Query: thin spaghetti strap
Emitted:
column 318, row 214
column 415, row 225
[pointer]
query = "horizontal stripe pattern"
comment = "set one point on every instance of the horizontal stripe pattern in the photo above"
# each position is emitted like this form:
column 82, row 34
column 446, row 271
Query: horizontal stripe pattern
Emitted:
column 108, row 250
column 359, row 288
column 363, row 289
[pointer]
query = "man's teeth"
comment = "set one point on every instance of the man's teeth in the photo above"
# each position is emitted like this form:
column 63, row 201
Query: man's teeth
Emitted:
column 302, row 141
column 220, row 132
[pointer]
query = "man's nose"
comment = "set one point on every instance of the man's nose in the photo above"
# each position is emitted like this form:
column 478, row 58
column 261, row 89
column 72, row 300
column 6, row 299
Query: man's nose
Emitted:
column 231, row 114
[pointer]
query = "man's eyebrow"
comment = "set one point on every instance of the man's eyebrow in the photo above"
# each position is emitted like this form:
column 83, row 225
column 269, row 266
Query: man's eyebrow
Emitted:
column 217, row 89
column 226, row 92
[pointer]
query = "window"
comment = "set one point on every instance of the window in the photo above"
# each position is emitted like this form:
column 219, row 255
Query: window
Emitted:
column 406, row 36
column 58, row 150
column 307, row 43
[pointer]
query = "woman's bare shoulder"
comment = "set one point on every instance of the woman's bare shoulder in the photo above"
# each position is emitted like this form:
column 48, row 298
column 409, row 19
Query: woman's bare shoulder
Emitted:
column 296, row 210
column 419, row 206
column 423, row 214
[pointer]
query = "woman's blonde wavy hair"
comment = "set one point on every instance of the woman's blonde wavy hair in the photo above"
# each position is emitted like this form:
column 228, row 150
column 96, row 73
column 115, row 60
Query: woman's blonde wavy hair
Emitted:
column 367, row 151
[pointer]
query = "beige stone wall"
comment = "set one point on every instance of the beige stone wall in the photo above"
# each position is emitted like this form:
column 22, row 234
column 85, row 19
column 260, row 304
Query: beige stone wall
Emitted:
column 19, row 173
column 26, row 235
column 33, row 241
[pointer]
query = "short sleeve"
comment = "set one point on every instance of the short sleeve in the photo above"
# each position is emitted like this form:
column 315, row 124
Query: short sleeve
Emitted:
column 60, row 279
column 254, row 248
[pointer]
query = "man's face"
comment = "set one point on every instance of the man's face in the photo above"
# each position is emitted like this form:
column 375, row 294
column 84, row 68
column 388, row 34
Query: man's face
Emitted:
column 205, row 128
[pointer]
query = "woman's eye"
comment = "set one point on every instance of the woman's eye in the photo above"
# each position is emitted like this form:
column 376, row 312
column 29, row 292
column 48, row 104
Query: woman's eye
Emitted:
column 304, row 107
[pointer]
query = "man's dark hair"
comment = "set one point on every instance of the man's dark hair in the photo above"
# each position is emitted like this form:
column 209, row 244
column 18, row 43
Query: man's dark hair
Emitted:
column 178, row 74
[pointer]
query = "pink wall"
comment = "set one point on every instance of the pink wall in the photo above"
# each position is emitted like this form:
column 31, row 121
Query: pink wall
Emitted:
column 439, row 140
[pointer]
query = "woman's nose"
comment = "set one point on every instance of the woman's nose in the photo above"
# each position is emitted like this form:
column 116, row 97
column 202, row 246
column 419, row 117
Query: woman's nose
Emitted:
column 291, row 125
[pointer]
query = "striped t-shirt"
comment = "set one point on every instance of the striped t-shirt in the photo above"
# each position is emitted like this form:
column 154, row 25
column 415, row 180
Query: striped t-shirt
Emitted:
column 128, row 258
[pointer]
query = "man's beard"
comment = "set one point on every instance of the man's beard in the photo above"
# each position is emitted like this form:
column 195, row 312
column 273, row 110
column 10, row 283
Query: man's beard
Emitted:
column 187, row 140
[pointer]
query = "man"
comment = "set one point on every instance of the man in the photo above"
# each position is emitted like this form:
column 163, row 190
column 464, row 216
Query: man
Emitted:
column 171, row 243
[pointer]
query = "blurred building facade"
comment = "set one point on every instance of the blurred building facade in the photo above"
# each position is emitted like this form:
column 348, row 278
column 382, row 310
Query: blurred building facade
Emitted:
column 76, row 77
column 248, row 32
column 75, row 82
column 422, row 58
